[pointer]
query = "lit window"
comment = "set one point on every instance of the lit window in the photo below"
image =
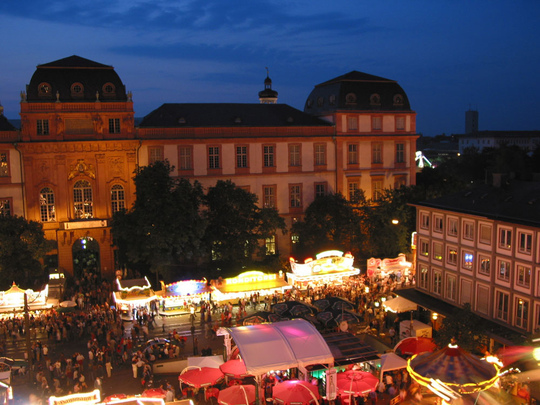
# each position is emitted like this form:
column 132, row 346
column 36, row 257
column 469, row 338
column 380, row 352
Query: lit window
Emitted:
column 424, row 248
column 468, row 260
column 522, row 313
column 437, row 251
column 452, row 256
column 83, row 200
column 4, row 164
column 270, row 244
column 505, row 238
column 485, row 265
column 523, row 276
column 504, row 270
column 5, row 206
column 117, row 198
column 47, row 207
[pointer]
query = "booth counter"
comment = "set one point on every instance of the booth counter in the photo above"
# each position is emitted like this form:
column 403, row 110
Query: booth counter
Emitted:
column 247, row 283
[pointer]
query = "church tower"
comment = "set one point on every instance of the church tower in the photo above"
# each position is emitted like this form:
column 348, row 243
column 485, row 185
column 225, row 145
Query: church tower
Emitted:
column 268, row 96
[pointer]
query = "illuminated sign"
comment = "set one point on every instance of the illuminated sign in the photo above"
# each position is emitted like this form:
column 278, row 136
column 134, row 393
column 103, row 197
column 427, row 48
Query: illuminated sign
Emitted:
column 251, row 277
column 75, row 399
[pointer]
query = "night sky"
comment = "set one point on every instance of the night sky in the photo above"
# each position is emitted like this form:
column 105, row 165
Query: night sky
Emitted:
column 448, row 55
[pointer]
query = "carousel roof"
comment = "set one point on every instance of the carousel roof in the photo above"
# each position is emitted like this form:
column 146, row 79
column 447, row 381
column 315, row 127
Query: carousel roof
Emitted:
column 14, row 289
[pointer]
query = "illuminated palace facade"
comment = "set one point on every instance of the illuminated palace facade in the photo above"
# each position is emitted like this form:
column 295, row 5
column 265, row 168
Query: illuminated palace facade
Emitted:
column 71, row 164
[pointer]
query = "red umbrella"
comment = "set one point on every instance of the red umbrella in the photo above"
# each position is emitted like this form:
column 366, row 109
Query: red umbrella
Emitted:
column 295, row 392
column 355, row 382
column 115, row 397
column 234, row 368
column 154, row 393
column 415, row 345
column 201, row 376
column 237, row 395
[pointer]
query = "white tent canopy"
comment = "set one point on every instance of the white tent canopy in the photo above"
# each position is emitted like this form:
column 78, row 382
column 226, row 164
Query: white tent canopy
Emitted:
column 280, row 346
column 391, row 361
column 400, row 304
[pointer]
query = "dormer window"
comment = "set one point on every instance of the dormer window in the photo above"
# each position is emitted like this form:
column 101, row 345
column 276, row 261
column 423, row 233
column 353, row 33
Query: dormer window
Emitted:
column 309, row 103
column 350, row 98
column 320, row 101
column 44, row 90
column 181, row 120
column 398, row 99
column 375, row 99
column 108, row 90
column 238, row 120
column 332, row 99
column 77, row 90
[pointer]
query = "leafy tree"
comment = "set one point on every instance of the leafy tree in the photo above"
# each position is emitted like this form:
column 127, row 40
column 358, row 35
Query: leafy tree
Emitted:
column 22, row 249
column 164, row 228
column 330, row 222
column 236, row 224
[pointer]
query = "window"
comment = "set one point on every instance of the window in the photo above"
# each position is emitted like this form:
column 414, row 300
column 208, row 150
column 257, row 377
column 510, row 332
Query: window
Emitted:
column 83, row 199
column 485, row 234
column 47, row 207
column 117, row 198
column 400, row 123
column 213, row 157
column 268, row 155
column 424, row 248
column 501, row 306
column 270, row 244
column 4, row 164
column 377, row 189
column 185, row 157
column 241, row 156
column 77, row 90
column 452, row 256
column 452, row 227
column 468, row 260
column 114, row 125
column 400, row 181
column 108, row 89
column 353, row 187
column 438, row 223
column 376, row 152
column 437, row 251
column 269, row 196
column 295, row 195
column 44, row 89
column 523, row 274
column 503, row 272
column 294, row 155
column 485, row 265
column 437, row 282
column 468, row 230
column 352, row 123
column 5, row 206
column 376, row 123
column 424, row 221
column 505, row 238
column 424, row 278
column 352, row 155
column 295, row 239
column 482, row 299
column 375, row 99
column 525, row 242
column 320, row 189
column 400, row 153
column 522, row 313
column 43, row 127
column 155, row 154
column 451, row 292
column 320, row 154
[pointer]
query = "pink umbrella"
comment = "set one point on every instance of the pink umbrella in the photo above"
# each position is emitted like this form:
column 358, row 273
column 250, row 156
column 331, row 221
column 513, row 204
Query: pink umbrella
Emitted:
column 295, row 392
column 201, row 376
column 154, row 393
column 237, row 395
column 415, row 345
column 234, row 368
column 355, row 382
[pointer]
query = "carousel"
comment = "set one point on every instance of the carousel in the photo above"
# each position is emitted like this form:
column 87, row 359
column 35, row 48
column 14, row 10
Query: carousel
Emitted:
column 12, row 300
column 247, row 283
column 180, row 295
column 134, row 295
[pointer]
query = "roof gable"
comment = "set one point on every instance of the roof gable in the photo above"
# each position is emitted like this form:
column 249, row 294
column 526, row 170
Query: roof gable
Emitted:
column 74, row 61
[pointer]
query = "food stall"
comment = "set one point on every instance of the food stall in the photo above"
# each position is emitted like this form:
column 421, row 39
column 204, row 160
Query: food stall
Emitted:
column 181, row 294
column 247, row 283
column 331, row 266
column 398, row 266
column 12, row 300
column 133, row 295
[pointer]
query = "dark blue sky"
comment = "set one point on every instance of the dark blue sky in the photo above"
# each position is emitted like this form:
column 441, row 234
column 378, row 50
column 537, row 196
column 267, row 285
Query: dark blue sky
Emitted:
column 448, row 56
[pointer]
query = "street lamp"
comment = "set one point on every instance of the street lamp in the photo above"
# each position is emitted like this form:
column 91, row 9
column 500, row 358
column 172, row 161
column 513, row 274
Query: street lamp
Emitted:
column 395, row 221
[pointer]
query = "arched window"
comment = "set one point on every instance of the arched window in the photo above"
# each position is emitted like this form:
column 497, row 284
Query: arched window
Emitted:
column 83, row 200
column 46, row 205
column 117, row 198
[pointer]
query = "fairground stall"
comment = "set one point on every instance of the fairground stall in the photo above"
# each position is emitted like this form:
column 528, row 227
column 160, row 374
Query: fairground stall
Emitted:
column 12, row 300
column 331, row 266
column 398, row 267
column 134, row 295
column 181, row 294
column 247, row 283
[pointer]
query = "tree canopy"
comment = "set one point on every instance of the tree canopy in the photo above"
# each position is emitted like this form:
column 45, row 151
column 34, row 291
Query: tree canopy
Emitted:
column 22, row 248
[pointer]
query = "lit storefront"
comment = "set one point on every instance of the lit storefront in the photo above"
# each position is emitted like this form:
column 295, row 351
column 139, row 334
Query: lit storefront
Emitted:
column 247, row 283
column 331, row 266
column 133, row 294
column 179, row 295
